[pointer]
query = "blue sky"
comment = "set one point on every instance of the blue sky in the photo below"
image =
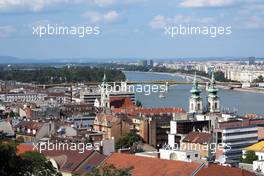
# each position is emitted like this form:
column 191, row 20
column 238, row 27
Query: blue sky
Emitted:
column 131, row 28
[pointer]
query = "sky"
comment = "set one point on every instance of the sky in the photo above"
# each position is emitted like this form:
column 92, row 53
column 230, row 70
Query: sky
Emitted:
column 131, row 28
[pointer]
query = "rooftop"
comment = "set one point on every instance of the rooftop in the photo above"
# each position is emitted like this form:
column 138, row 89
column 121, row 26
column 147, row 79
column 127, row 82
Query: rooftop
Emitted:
column 151, row 166
column 258, row 147
column 217, row 170
column 198, row 137
column 146, row 111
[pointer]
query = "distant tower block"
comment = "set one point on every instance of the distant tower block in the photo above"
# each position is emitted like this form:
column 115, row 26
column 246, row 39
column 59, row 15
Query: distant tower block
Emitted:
column 105, row 98
column 195, row 101
column 213, row 98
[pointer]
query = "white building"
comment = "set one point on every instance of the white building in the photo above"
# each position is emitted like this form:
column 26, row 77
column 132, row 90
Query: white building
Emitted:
column 179, row 155
column 258, row 148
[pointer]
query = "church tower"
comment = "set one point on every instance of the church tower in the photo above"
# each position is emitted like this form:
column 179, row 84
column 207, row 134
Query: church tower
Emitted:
column 213, row 99
column 195, row 101
column 105, row 98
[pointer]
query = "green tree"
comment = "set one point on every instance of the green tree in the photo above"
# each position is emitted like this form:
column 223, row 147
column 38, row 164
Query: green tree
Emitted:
column 39, row 164
column 9, row 161
column 250, row 156
column 30, row 163
column 260, row 79
column 220, row 76
column 128, row 139
column 45, row 75
column 110, row 170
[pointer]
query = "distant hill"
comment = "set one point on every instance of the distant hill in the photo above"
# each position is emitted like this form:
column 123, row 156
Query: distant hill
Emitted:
column 9, row 60
column 15, row 60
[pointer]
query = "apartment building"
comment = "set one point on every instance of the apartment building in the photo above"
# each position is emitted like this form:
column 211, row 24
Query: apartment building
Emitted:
column 234, row 136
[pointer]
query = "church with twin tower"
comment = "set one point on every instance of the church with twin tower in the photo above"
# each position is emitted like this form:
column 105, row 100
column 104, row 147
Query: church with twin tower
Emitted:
column 196, row 101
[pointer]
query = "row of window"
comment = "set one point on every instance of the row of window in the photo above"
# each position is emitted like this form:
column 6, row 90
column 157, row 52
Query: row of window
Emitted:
column 240, row 133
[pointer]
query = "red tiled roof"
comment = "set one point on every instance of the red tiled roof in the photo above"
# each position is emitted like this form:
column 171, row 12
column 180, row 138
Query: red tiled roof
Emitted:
column 23, row 148
column 121, row 102
column 93, row 161
column 73, row 158
column 240, row 123
column 106, row 117
column 145, row 166
column 146, row 111
column 217, row 170
column 198, row 137
column 30, row 124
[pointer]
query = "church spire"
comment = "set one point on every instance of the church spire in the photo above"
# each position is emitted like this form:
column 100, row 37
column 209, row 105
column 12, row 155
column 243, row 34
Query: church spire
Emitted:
column 195, row 101
column 104, row 79
column 213, row 98
column 195, row 88
column 212, row 88
column 105, row 95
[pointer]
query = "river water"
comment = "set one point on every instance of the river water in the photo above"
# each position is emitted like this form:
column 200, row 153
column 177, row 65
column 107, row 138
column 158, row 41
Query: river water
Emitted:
column 178, row 95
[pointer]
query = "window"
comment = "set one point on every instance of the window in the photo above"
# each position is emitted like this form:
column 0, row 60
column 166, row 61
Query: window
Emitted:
column 188, row 157
column 196, row 155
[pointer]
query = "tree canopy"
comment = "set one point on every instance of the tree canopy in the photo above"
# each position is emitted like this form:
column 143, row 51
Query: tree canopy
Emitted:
column 60, row 75
column 250, row 156
column 260, row 79
column 30, row 163
column 128, row 140
column 110, row 170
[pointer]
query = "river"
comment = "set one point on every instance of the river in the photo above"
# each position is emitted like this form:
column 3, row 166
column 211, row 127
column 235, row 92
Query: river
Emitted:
column 178, row 95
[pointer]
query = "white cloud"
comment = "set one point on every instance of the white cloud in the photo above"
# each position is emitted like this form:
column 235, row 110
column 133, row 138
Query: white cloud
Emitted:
column 160, row 21
column 38, row 5
column 96, row 17
column 93, row 17
column 206, row 3
column 34, row 5
column 6, row 31
column 110, row 16
column 105, row 2
column 254, row 22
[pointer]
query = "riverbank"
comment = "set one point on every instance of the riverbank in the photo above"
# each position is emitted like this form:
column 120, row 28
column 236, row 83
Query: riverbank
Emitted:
column 178, row 96
column 189, row 77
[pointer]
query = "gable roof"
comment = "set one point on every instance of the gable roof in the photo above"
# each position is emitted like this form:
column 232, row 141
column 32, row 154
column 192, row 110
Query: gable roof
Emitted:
column 101, row 118
column 151, row 166
column 69, row 159
column 198, row 137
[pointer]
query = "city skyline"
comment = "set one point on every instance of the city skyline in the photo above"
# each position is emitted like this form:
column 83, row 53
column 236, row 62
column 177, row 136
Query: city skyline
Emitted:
column 131, row 29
